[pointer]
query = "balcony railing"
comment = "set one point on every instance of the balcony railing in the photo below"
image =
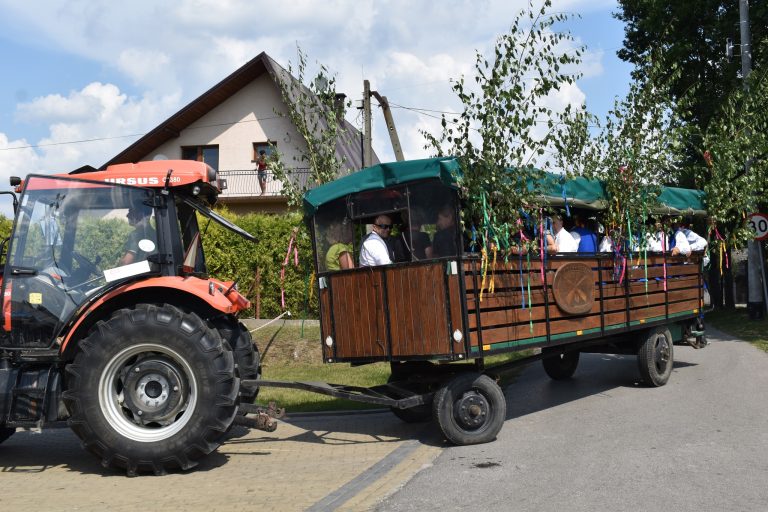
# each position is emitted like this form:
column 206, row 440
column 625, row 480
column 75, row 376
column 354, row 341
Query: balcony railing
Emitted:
column 245, row 183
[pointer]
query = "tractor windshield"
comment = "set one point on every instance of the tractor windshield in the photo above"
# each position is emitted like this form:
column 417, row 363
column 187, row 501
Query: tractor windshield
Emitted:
column 71, row 238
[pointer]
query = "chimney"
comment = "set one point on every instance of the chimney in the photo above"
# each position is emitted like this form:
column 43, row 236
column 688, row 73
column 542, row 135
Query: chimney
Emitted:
column 339, row 106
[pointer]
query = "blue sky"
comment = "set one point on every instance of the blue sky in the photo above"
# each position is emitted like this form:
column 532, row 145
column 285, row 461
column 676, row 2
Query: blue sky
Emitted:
column 89, row 69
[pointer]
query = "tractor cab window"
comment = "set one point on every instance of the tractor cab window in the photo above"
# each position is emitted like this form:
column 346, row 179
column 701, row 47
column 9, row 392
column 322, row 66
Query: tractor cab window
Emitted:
column 71, row 239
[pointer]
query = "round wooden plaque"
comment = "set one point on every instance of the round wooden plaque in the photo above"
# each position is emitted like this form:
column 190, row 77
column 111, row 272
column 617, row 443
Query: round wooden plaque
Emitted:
column 574, row 288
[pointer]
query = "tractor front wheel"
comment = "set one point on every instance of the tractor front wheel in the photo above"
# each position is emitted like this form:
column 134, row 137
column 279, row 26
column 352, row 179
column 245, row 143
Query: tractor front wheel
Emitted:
column 151, row 389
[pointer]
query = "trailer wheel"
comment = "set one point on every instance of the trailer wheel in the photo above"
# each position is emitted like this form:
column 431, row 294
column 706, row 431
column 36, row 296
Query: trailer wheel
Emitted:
column 5, row 433
column 247, row 359
column 561, row 366
column 470, row 409
column 655, row 357
column 151, row 389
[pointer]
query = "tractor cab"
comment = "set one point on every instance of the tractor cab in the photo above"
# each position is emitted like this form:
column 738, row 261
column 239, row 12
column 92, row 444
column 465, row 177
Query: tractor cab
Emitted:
column 76, row 238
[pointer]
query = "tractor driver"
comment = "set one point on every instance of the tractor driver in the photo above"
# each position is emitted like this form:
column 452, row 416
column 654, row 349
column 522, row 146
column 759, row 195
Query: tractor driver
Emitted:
column 142, row 242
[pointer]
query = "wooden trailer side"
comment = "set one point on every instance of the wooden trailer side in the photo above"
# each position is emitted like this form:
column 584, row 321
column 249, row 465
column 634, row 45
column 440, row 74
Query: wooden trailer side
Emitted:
column 524, row 309
column 393, row 312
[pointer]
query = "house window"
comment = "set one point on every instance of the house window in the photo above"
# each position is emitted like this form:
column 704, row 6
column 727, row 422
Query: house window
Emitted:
column 268, row 147
column 207, row 154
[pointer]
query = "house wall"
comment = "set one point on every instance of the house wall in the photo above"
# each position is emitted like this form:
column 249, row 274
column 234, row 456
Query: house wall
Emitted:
column 234, row 126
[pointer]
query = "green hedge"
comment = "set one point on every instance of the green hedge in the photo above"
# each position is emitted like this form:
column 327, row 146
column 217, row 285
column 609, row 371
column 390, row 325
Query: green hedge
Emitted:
column 230, row 257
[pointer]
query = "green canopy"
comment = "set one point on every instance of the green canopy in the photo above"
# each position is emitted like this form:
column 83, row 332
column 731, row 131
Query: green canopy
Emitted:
column 579, row 192
column 382, row 176
column 682, row 201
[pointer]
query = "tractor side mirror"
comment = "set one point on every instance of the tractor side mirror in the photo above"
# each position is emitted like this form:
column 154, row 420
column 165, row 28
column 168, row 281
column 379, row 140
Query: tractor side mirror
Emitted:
column 15, row 199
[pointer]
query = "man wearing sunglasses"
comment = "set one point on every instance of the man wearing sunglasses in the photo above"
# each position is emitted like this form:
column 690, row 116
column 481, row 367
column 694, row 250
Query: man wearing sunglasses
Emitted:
column 375, row 250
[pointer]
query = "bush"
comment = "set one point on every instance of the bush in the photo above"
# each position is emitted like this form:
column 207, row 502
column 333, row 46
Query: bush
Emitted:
column 230, row 257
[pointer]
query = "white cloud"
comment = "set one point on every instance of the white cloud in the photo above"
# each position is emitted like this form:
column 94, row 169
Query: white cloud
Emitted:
column 143, row 66
column 99, row 113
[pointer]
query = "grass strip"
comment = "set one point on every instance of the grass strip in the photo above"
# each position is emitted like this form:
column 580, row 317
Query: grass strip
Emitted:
column 736, row 322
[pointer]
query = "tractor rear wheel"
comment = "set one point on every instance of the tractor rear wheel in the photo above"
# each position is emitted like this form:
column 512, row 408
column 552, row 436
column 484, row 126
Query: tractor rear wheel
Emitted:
column 151, row 389
column 247, row 359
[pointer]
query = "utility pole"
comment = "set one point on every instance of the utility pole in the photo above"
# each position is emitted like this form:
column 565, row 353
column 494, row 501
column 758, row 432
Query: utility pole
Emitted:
column 390, row 126
column 755, row 305
column 367, row 150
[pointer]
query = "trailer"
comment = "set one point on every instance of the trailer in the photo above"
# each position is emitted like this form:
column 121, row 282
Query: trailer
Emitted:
column 436, row 319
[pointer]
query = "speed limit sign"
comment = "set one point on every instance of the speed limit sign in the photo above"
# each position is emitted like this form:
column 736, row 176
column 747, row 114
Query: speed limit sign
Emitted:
column 758, row 222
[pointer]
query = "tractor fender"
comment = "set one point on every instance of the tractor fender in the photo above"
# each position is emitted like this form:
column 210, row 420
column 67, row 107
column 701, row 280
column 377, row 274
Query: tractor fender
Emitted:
column 218, row 295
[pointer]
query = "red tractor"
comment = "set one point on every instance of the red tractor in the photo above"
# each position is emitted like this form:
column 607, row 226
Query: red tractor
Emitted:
column 110, row 320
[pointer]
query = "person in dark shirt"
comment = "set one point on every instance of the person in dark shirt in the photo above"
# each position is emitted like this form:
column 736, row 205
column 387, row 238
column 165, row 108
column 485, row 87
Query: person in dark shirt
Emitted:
column 411, row 240
column 444, row 243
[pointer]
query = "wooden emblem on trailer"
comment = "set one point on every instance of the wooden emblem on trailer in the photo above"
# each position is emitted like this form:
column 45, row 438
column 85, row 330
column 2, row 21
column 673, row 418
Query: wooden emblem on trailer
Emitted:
column 574, row 288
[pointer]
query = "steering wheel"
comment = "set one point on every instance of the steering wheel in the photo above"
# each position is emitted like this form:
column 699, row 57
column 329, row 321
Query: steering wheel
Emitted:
column 86, row 268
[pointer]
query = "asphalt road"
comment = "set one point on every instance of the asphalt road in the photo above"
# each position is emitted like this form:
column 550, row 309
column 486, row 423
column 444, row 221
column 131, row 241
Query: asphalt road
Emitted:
column 601, row 441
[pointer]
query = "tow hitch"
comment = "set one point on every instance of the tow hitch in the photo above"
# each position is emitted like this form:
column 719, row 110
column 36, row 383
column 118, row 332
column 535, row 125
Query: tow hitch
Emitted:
column 262, row 419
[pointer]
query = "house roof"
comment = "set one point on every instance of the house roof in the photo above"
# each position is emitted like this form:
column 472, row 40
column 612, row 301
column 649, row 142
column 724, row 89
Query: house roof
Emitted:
column 347, row 147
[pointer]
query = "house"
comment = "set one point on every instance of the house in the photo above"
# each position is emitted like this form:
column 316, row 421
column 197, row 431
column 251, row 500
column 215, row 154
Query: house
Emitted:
column 229, row 124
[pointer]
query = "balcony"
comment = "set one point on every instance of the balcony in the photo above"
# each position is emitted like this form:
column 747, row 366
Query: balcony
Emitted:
column 245, row 183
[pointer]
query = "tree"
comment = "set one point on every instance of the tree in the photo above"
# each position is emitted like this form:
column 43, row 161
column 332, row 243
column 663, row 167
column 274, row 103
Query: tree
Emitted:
column 738, row 133
column 635, row 150
column 312, row 109
column 690, row 35
column 506, row 128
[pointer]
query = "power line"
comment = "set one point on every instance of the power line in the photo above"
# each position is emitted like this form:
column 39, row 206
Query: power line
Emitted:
column 32, row 146
column 98, row 139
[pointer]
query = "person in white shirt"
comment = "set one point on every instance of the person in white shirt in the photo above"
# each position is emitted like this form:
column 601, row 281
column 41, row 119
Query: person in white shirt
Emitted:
column 656, row 240
column 687, row 241
column 606, row 244
column 564, row 242
column 375, row 250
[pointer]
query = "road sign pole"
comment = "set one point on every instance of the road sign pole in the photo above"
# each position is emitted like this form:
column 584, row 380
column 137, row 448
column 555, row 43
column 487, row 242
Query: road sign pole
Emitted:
column 762, row 269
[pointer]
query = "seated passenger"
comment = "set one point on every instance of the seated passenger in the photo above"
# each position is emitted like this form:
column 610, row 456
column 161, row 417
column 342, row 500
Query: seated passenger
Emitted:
column 339, row 255
column 588, row 236
column 412, row 242
column 686, row 240
column 564, row 242
column 606, row 244
column 444, row 243
column 374, row 250
column 656, row 240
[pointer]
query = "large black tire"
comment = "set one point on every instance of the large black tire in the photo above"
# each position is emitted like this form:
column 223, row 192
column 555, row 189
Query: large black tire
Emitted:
column 151, row 389
column 247, row 359
column 655, row 356
column 5, row 433
column 561, row 366
column 417, row 414
column 470, row 409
